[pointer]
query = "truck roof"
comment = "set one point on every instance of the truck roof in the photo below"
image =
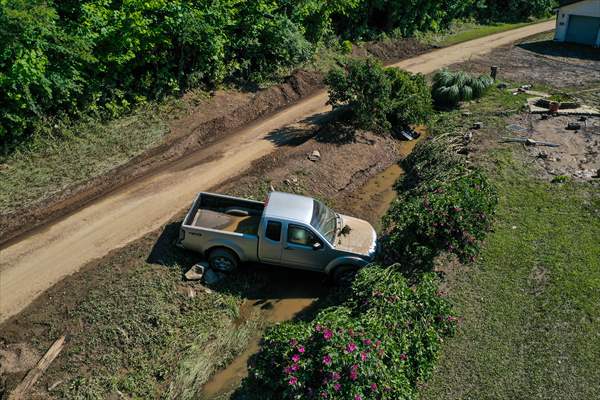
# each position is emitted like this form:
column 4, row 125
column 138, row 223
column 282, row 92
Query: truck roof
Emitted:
column 289, row 206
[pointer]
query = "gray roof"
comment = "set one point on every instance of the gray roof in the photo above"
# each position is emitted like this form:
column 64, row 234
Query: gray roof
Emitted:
column 289, row 207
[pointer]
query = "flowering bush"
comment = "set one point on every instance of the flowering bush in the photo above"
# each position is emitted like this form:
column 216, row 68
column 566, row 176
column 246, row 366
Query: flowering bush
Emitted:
column 441, row 206
column 377, row 345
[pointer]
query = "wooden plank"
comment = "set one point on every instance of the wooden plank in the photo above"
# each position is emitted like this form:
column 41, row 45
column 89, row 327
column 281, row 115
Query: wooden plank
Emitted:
column 32, row 376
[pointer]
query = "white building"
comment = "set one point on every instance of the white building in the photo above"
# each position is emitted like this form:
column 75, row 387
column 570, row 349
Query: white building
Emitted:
column 578, row 21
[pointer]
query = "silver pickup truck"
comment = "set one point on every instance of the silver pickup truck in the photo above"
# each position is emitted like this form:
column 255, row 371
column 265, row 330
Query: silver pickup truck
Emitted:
column 288, row 230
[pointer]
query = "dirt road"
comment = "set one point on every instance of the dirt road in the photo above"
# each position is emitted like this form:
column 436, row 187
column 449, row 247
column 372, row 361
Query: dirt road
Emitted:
column 39, row 260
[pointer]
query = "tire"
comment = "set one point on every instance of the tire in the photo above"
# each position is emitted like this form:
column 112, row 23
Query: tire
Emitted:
column 223, row 260
column 344, row 275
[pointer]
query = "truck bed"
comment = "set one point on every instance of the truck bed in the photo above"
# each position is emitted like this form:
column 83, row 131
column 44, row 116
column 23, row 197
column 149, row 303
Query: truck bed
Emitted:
column 224, row 213
column 247, row 224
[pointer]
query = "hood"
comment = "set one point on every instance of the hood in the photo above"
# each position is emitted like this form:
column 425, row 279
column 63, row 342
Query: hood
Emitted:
column 357, row 236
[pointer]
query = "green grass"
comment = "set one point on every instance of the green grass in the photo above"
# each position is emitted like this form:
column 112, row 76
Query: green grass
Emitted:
column 462, row 31
column 530, row 302
column 66, row 154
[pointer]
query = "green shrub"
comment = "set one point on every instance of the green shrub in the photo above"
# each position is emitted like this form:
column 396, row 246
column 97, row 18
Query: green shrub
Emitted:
column 379, row 344
column 379, row 98
column 450, row 88
column 442, row 206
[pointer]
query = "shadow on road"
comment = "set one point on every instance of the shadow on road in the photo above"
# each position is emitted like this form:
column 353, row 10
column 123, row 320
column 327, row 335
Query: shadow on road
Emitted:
column 565, row 50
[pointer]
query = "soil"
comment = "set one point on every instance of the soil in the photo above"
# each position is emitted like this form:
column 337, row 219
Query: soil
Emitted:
column 541, row 61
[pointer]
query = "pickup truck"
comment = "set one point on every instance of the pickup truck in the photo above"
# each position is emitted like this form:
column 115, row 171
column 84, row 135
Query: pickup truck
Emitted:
column 287, row 230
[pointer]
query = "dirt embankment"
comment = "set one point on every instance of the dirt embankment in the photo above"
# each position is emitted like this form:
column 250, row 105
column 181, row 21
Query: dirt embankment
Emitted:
column 222, row 114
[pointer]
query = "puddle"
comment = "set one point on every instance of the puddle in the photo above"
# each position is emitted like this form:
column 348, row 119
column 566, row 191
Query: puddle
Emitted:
column 272, row 310
column 379, row 191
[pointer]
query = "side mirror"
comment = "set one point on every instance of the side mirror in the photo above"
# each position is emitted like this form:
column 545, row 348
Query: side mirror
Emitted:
column 317, row 246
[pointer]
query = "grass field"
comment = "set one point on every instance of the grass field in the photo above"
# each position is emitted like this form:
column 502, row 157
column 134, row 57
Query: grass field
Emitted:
column 461, row 31
column 530, row 304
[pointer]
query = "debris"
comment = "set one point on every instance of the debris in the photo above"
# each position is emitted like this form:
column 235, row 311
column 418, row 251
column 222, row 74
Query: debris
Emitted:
column 502, row 85
column 543, row 155
column 582, row 119
column 573, row 126
column 545, row 116
column 291, row 181
column 314, row 156
column 516, row 128
column 468, row 137
column 525, row 88
column 54, row 385
column 346, row 230
column 478, row 125
column 212, row 277
column 494, row 71
column 35, row 374
column 409, row 134
column 527, row 141
column 196, row 272
column 466, row 113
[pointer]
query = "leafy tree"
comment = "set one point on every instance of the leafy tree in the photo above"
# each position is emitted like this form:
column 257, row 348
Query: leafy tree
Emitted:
column 379, row 98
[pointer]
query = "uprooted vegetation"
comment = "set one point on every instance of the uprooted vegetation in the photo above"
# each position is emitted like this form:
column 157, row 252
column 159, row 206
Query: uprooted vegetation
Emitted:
column 450, row 88
column 378, row 98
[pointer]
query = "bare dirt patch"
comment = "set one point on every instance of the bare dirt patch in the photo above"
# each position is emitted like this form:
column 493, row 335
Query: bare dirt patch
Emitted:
column 539, row 60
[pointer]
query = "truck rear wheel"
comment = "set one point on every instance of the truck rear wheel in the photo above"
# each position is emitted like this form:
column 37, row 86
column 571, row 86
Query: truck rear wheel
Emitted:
column 344, row 275
column 223, row 260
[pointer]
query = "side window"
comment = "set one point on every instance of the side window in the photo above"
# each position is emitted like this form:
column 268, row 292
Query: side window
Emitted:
column 273, row 231
column 301, row 236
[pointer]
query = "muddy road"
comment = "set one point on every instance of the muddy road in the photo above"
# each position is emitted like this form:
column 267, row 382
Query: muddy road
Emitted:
column 33, row 263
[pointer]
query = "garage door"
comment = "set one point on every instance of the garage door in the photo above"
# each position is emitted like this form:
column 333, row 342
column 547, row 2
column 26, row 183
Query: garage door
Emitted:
column 583, row 29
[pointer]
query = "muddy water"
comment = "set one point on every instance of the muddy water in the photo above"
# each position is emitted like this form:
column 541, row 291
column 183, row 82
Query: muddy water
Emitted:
column 275, row 310
column 379, row 193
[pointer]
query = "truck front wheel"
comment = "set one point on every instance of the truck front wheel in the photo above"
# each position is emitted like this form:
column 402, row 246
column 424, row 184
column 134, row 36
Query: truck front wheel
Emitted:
column 344, row 275
column 223, row 260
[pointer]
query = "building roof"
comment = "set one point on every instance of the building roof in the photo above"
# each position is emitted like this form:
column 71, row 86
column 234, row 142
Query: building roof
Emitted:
column 289, row 207
column 563, row 3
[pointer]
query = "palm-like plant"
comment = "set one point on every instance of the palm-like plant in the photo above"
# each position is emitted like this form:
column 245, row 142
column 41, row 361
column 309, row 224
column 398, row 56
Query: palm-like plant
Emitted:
column 449, row 88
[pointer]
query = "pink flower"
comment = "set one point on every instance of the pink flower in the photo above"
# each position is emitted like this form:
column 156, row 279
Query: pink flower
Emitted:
column 403, row 357
column 287, row 370
column 358, row 397
column 367, row 342
column 378, row 343
column 296, row 358
column 327, row 359
column 295, row 367
column 301, row 349
column 293, row 342
column 337, row 387
column 351, row 347
column 374, row 387
column 363, row 356
column 324, row 395
column 318, row 328
column 328, row 334
column 351, row 332
column 335, row 376
column 293, row 380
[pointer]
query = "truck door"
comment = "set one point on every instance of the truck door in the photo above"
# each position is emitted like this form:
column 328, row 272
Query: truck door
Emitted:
column 299, row 250
column 270, row 241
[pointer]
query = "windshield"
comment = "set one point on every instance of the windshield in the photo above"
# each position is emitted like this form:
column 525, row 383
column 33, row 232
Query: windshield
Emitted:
column 324, row 220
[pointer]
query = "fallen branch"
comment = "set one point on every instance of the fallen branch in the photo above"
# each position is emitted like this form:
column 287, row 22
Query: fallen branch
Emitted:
column 527, row 141
column 33, row 375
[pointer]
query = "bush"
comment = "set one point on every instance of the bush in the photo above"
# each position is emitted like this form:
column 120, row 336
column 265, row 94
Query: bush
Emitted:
column 442, row 206
column 379, row 98
column 379, row 344
column 450, row 88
